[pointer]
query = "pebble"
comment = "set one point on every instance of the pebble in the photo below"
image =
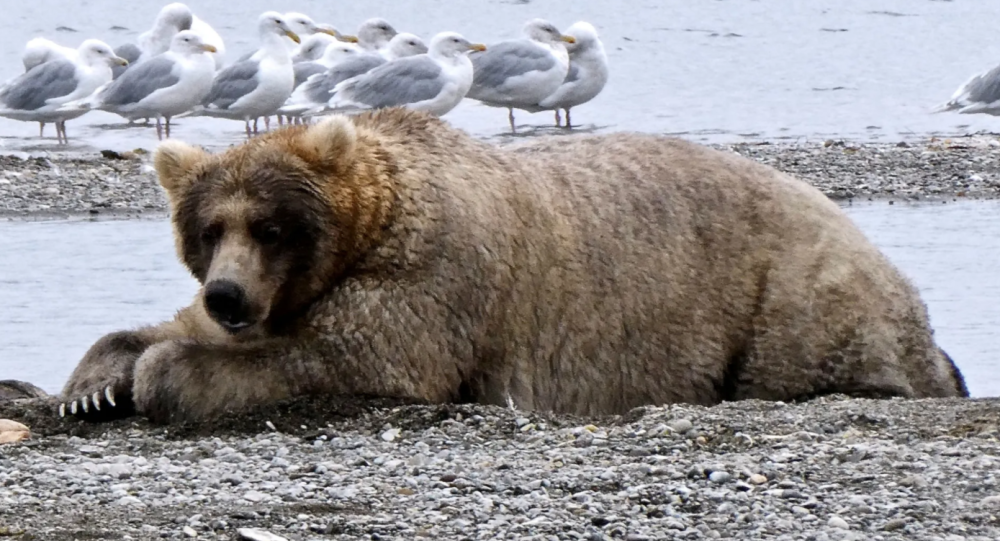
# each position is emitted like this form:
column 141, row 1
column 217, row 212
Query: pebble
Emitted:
column 837, row 522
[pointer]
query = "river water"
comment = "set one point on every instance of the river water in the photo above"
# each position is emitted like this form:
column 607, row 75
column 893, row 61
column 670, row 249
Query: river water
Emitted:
column 715, row 71
column 111, row 275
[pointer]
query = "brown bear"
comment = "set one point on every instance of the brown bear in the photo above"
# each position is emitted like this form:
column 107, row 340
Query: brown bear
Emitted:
column 390, row 254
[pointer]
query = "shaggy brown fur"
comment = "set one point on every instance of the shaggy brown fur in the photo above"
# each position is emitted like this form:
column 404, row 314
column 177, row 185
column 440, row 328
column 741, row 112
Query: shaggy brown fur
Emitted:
column 390, row 254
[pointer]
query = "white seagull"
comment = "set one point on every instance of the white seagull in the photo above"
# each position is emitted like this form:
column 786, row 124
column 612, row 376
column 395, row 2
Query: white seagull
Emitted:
column 312, row 96
column 587, row 75
column 161, row 87
column 36, row 96
column 433, row 82
column 255, row 87
column 520, row 73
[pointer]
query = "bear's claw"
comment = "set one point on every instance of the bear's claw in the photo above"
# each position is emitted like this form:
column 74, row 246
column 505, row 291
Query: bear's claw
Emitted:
column 83, row 405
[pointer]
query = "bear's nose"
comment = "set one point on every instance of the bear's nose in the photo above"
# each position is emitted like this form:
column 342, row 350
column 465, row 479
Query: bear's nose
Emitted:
column 227, row 304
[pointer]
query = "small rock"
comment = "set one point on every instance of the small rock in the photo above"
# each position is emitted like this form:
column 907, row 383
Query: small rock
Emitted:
column 390, row 435
column 254, row 534
column 894, row 524
column 189, row 531
column 837, row 522
column 254, row 496
column 680, row 426
column 757, row 479
column 719, row 477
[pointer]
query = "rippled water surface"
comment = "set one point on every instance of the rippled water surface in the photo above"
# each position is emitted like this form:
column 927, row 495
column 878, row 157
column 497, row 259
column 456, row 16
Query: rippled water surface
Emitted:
column 713, row 70
column 65, row 284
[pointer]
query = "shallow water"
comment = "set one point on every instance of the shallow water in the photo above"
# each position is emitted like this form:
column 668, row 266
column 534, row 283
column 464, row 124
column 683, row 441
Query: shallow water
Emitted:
column 68, row 283
column 713, row 71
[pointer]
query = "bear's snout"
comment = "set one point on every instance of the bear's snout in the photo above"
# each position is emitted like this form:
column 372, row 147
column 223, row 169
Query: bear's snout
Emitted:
column 226, row 302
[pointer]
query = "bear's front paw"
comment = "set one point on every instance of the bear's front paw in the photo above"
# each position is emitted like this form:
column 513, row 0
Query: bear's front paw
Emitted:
column 170, row 386
column 100, row 388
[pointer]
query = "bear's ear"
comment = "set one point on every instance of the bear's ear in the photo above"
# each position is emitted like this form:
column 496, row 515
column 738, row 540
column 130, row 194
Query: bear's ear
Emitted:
column 174, row 161
column 328, row 145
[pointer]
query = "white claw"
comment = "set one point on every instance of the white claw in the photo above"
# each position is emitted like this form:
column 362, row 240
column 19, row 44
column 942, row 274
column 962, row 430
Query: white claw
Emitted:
column 96, row 399
column 72, row 407
column 110, row 396
column 85, row 404
column 62, row 409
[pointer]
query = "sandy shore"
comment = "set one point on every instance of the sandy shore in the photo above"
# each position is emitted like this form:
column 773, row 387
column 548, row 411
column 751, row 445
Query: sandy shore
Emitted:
column 833, row 468
column 125, row 186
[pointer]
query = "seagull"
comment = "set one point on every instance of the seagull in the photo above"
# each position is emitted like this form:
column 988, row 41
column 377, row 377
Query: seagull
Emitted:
column 163, row 86
column 40, row 50
column 587, row 75
column 980, row 94
column 171, row 19
column 304, row 27
column 313, row 95
column 521, row 73
column 36, row 95
column 433, row 82
column 374, row 35
column 209, row 36
column 255, row 87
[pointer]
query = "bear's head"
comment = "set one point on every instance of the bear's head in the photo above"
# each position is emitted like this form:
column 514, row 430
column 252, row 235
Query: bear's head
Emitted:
column 269, row 225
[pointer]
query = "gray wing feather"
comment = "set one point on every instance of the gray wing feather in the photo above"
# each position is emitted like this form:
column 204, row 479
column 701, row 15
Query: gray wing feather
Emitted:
column 573, row 74
column 507, row 59
column 141, row 81
column 305, row 70
column 404, row 81
column 320, row 87
column 128, row 51
column 31, row 90
column 985, row 88
column 232, row 83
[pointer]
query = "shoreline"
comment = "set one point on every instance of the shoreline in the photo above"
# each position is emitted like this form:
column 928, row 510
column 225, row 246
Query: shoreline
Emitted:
column 834, row 468
column 111, row 185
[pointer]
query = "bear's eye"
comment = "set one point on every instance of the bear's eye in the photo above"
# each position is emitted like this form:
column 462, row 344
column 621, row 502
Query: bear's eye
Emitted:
column 211, row 234
column 267, row 233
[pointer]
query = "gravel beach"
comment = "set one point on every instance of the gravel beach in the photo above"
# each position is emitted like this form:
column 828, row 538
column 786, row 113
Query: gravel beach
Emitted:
column 115, row 184
column 322, row 468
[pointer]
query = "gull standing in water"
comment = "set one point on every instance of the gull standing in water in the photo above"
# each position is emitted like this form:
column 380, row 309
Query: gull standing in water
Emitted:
column 312, row 96
column 163, row 86
column 433, row 82
column 520, row 73
column 374, row 35
column 41, row 50
column 980, row 94
column 171, row 19
column 37, row 95
column 255, row 87
column 587, row 75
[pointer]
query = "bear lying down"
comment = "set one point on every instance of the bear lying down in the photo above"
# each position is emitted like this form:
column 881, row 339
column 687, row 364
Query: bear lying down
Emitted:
column 389, row 254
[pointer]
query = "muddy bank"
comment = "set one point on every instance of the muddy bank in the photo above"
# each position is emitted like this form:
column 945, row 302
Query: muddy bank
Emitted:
column 324, row 468
column 122, row 186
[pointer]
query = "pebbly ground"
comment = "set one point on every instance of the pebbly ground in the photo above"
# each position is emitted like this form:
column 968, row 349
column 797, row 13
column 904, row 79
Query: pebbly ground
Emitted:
column 326, row 468
column 115, row 184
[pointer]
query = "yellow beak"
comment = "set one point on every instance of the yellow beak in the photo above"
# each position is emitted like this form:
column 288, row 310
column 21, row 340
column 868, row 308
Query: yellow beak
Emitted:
column 569, row 39
column 293, row 36
column 477, row 47
column 328, row 31
column 348, row 39
column 120, row 61
column 209, row 48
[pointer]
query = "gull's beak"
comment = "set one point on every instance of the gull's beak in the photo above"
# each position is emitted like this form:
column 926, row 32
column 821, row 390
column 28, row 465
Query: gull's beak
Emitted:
column 477, row 47
column 328, row 31
column 120, row 61
column 294, row 37
column 568, row 39
column 348, row 39
column 208, row 48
